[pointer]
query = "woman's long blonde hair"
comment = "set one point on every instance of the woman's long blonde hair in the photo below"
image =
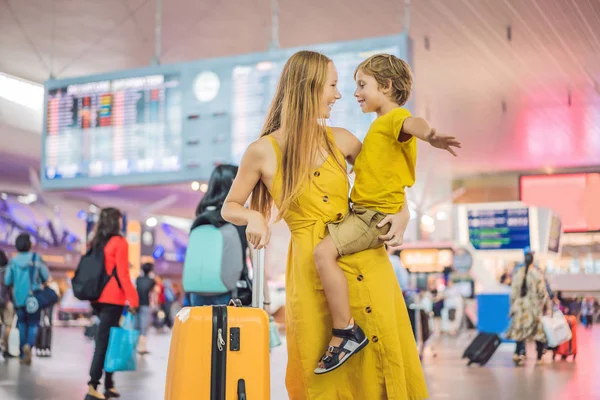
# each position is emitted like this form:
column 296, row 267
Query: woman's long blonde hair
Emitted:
column 296, row 110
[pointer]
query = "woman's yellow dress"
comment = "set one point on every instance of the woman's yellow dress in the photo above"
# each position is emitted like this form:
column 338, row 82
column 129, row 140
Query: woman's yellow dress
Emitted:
column 389, row 367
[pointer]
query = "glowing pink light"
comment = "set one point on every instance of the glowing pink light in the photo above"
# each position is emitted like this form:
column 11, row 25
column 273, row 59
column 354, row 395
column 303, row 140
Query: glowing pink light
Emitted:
column 104, row 188
column 574, row 197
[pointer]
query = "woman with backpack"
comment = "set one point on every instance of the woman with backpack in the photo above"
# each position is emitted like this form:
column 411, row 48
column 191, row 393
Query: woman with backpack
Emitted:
column 26, row 273
column 232, row 267
column 117, row 293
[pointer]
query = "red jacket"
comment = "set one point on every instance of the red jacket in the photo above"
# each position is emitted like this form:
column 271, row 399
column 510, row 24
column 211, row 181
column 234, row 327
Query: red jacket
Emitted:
column 116, row 255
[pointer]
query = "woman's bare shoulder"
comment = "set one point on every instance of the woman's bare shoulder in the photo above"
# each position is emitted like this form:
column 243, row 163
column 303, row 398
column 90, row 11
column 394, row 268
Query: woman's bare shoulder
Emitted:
column 260, row 148
column 260, row 156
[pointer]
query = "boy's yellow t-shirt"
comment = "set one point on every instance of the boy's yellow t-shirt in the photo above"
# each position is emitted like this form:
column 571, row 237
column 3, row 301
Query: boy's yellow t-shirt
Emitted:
column 384, row 166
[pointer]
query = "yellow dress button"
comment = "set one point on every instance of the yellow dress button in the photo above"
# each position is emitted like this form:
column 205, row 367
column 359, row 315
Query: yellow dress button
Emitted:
column 375, row 339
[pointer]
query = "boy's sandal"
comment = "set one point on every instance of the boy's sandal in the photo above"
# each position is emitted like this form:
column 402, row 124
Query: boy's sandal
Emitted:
column 354, row 340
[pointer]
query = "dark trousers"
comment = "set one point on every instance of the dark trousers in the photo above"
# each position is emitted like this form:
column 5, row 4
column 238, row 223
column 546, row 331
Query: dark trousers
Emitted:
column 588, row 321
column 166, row 308
column 109, row 315
column 219, row 299
column 520, row 349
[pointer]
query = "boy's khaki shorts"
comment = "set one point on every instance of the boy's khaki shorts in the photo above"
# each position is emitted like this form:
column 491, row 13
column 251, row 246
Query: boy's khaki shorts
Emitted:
column 358, row 231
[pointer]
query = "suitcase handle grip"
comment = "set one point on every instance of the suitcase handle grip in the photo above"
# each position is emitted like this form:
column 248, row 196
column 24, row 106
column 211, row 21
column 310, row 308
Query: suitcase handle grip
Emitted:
column 241, row 390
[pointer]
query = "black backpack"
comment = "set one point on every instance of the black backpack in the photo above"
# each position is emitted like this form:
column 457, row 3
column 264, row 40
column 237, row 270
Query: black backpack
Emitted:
column 4, row 291
column 90, row 277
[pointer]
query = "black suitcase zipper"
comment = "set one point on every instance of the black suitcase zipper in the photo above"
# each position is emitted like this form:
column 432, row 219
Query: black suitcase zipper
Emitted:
column 218, row 378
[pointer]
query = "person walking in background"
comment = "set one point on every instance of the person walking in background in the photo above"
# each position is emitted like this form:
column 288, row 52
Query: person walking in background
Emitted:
column 7, row 309
column 145, row 285
column 117, row 293
column 505, row 278
column 162, row 315
column 528, row 298
column 520, row 266
column 234, row 243
column 168, row 298
column 26, row 273
column 587, row 312
column 401, row 272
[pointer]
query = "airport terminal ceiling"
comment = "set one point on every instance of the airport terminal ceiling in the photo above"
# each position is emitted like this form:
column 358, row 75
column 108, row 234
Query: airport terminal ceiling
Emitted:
column 516, row 81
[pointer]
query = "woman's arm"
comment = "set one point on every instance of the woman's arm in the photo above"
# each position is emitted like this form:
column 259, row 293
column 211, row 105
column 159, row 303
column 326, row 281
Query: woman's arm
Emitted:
column 122, row 260
column 348, row 144
column 398, row 224
column 544, row 296
column 234, row 211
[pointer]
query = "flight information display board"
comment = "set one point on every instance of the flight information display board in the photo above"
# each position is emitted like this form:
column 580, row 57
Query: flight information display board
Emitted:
column 174, row 123
column 114, row 127
column 506, row 229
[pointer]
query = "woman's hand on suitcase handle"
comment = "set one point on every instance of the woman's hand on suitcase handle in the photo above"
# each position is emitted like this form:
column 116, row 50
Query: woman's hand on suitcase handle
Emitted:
column 257, row 231
column 398, row 223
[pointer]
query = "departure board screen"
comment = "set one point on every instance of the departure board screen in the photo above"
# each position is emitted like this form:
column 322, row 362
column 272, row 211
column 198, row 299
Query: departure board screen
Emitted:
column 117, row 127
column 174, row 123
column 506, row 229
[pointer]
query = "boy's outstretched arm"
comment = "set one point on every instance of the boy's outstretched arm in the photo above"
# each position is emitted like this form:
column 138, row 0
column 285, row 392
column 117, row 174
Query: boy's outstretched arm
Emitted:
column 420, row 128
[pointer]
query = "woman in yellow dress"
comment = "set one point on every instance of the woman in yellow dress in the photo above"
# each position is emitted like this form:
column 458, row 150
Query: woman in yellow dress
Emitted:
column 300, row 164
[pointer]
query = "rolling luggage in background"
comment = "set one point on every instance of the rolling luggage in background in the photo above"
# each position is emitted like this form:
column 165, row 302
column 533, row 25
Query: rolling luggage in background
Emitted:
column 221, row 352
column 569, row 348
column 43, row 340
column 482, row 348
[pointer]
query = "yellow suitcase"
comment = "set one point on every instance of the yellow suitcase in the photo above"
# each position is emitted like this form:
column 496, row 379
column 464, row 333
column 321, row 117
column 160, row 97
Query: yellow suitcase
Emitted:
column 221, row 352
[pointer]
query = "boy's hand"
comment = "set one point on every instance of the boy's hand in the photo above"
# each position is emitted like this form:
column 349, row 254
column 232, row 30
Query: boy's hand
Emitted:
column 443, row 142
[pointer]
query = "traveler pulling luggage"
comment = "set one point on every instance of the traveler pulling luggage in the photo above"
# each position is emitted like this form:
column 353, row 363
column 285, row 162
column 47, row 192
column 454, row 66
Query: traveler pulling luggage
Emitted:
column 221, row 352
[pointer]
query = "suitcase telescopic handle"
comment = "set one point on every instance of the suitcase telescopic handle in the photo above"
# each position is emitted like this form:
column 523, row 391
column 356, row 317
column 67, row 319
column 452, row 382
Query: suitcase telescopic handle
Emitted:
column 258, row 279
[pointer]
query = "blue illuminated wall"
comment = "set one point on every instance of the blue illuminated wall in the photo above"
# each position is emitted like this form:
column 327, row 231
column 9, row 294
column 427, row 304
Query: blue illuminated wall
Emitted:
column 173, row 123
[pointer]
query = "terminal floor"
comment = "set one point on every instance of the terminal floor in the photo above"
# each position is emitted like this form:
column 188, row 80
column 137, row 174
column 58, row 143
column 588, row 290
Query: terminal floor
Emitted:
column 64, row 376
